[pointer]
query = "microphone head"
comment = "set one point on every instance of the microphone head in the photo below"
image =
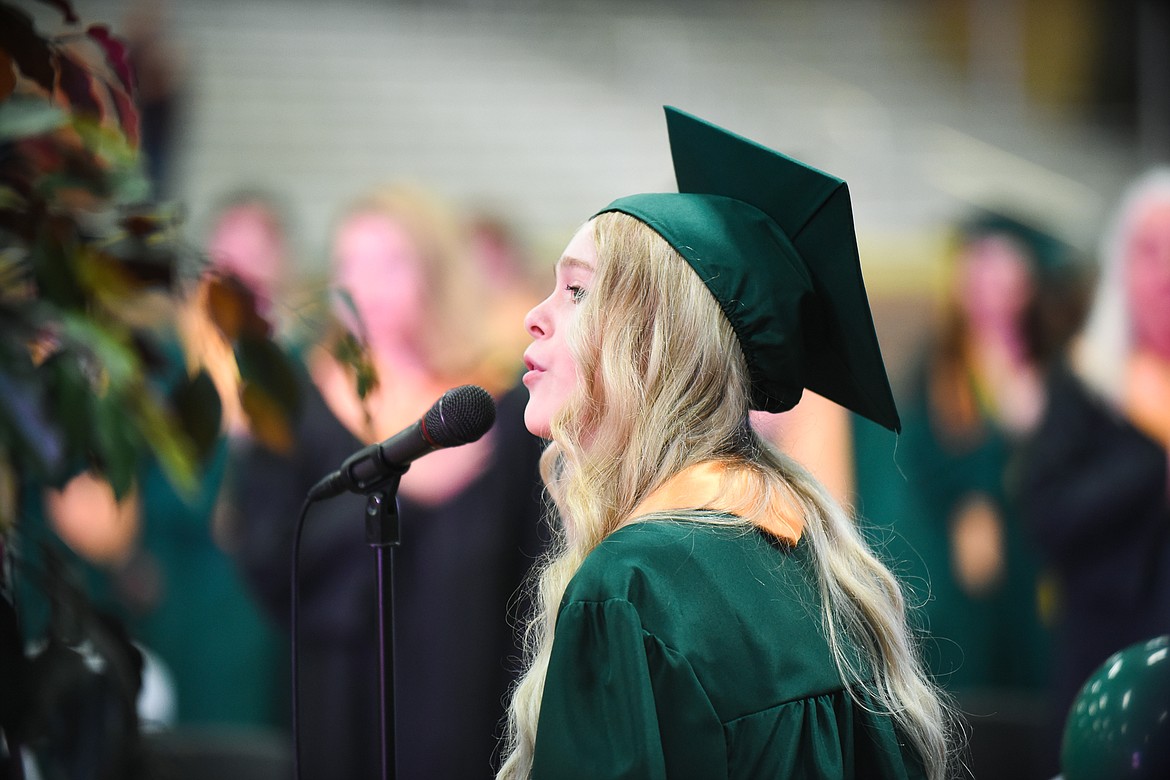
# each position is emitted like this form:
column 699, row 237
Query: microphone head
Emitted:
column 460, row 416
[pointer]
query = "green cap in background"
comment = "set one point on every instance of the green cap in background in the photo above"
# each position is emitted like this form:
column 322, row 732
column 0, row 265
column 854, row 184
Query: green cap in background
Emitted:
column 773, row 240
column 1043, row 250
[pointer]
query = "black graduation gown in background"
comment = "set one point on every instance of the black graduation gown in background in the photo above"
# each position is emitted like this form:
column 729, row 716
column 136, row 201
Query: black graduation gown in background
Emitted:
column 457, row 573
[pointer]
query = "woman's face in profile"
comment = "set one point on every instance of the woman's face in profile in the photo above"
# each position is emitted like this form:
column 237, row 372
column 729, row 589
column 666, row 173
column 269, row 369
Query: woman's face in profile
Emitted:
column 1148, row 278
column 552, row 372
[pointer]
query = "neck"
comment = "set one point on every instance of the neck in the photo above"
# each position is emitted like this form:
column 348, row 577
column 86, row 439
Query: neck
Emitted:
column 716, row 486
column 1000, row 338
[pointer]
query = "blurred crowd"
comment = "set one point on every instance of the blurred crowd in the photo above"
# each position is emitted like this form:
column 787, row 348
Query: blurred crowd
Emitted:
column 1025, row 504
column 1028, row 513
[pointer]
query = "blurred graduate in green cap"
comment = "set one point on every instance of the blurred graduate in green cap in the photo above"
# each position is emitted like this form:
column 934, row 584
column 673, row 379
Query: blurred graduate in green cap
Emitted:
column 708, row 610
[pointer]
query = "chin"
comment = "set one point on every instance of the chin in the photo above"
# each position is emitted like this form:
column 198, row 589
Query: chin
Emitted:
column 536, row 423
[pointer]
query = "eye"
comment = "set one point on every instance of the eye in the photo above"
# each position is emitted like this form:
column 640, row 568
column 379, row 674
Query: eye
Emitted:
column 576, row 292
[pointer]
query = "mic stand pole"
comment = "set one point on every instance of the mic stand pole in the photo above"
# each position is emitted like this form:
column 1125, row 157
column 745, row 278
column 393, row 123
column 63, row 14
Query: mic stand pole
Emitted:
column 383, row 534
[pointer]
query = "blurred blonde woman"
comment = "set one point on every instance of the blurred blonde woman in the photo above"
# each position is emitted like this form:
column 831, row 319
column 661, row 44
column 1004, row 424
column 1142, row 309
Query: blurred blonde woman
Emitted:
column 408, row 292
column 977, row 393
column 709, row 610
column 406, row 289
column 1094, row 482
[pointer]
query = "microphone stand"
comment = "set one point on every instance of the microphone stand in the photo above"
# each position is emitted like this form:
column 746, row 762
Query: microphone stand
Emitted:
column 383, row 534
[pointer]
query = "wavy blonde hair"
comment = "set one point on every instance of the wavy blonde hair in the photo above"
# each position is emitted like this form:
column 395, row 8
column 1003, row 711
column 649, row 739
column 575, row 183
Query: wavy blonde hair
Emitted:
column 665, row 386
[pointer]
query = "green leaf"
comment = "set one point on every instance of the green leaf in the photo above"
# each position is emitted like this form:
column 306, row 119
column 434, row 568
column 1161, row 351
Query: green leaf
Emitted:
column 129, row 184
column 173, row 449
column 25, row 116
column 107, row 143
column 265, row 365
column 53, row 268
column 197, row 406
column 70, row 397
column 117, row 446
column 352, row 353
column 114, row 353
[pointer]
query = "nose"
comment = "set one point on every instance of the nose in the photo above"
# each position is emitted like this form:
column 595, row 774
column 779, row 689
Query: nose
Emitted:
column 535, row 321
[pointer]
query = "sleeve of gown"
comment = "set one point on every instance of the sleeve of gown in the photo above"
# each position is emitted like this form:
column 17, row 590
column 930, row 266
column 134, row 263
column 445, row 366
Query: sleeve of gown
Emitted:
column 600, row 717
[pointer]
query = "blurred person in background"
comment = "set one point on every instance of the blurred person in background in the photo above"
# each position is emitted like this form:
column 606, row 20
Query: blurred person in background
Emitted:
column 1093, row 482
column 976, row 394
column 408, row 291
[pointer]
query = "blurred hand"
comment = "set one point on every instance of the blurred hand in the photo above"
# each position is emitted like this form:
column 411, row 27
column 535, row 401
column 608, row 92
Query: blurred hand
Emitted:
column 977, row 546
column 91, row 521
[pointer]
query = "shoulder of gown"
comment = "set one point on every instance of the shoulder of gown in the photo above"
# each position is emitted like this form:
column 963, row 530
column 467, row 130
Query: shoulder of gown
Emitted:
column 688, row 649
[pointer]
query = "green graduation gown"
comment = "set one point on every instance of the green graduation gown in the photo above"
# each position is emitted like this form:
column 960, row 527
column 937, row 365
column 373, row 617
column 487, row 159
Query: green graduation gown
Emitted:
column 687, row 649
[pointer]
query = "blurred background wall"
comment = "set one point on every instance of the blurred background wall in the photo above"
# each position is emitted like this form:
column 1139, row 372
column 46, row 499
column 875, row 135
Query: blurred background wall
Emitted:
column 542, row 111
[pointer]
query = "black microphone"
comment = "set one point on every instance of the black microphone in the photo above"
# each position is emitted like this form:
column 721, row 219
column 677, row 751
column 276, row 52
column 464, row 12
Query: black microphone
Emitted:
column 460, row 416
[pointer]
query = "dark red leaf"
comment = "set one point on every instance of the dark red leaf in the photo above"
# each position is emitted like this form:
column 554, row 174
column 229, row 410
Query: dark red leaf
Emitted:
column 117, row 54
column 42, row 154
column 127, row 116
column 77, row 83
column 143, row 224
column 232, row 308
column 7, row 76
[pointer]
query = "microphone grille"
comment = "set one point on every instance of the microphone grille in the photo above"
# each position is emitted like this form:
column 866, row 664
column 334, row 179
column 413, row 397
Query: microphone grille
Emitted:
column 460, row 416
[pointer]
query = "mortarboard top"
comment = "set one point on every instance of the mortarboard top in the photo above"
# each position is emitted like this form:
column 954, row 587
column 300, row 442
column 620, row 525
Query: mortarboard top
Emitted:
column 773, row 240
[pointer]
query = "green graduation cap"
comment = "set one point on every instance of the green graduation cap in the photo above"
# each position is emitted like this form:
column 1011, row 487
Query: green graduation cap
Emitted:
column 773, row 240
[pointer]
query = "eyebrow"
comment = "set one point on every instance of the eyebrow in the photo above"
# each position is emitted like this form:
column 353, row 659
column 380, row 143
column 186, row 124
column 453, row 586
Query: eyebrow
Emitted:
column 567, row 262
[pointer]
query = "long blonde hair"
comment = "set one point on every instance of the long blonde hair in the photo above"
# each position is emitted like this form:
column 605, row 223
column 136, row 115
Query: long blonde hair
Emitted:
column 665, row 386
